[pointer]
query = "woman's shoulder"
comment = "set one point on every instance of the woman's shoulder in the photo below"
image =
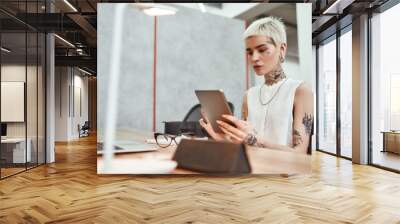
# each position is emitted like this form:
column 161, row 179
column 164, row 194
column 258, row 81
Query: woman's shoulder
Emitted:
column 252, row 89
column 303, row 88
column 300, row 85
column 295, row 82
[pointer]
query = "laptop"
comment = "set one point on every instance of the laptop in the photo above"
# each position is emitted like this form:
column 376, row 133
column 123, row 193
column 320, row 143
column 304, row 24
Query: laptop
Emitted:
column 128, row 146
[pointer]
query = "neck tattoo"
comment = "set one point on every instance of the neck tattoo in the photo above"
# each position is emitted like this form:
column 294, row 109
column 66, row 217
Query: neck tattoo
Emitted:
column 274, row 76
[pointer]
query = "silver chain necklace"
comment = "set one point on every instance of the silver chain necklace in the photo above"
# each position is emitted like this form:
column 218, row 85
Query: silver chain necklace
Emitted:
column 276, row 92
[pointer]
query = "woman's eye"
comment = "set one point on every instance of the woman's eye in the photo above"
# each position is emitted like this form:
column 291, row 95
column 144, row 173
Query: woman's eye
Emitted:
column 262, row 50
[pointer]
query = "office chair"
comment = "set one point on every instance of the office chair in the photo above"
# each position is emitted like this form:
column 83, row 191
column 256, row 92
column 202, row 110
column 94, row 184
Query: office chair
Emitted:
column 190, row 123
column 84, row 130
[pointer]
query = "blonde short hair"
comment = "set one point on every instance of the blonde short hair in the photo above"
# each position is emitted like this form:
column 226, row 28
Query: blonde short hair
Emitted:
column 272, row 27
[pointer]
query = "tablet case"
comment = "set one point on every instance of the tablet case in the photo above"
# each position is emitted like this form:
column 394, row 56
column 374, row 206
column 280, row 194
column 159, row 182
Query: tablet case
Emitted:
column 212, row 157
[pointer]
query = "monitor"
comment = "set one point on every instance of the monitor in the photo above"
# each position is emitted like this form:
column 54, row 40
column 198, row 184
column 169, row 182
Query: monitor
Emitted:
column 3, row 129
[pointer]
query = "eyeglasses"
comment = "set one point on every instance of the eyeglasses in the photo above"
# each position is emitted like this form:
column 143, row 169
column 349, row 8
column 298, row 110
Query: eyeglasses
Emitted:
column 165, row 140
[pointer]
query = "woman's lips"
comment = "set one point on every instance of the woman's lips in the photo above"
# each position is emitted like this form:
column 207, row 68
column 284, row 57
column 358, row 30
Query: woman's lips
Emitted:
column 257, row 67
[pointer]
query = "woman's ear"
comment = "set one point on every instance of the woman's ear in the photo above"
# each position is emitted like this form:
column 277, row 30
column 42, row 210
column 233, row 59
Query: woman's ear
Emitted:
column 283, row 50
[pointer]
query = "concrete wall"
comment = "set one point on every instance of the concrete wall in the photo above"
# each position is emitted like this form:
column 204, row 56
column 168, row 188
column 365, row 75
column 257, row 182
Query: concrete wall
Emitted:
column 207, row 55
column 136, row 71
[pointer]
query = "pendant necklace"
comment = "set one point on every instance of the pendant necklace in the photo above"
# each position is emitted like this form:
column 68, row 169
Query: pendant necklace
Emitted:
column 268, row 102
column 273, row 96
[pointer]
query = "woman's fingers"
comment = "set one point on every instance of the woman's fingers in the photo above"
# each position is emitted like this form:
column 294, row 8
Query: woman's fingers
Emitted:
column 240, row 124
column 232, row 136
column 210, row 130
column 205, row 125
column 237, row 134
column 232, row 119
column 231, row 129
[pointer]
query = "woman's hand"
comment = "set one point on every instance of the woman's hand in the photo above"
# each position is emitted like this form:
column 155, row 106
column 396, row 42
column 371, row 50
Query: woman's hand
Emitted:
column 207, row 126
column 205, row 123
column 238, row 134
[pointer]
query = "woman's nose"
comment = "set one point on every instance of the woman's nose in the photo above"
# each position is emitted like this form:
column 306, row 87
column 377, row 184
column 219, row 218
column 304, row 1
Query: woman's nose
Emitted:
column 255, row 56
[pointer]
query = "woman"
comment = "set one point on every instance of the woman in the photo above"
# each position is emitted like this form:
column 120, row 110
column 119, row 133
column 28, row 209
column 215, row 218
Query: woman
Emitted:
column 279, row 113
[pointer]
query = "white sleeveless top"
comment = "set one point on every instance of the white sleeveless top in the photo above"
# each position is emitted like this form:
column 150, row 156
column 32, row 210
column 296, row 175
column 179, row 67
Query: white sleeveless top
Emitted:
column 273, row 121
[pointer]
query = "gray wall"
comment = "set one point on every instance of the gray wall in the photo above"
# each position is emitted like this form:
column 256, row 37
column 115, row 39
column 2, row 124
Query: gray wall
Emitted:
column 136, row 71
column 198, row 51
column 194, row 51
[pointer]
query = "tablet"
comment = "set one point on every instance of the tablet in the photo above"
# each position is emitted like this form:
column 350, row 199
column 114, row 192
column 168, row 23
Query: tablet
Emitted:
column 214, row 105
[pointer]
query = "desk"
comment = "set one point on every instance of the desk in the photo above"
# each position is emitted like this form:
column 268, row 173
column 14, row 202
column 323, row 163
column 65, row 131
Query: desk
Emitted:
column 262, row 160
column 13, row 150
column 391, row 141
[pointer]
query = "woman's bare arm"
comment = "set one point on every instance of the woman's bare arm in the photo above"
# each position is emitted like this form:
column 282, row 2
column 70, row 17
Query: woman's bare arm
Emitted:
column 303, row 117
column 303, row 114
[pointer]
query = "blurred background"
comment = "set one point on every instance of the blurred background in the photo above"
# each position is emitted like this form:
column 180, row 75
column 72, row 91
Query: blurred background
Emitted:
column 165, row 58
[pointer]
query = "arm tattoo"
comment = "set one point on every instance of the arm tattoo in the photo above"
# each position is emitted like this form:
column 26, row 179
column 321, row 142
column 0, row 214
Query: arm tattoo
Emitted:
column 308, row 123
column 260, row 145
column 296, row 138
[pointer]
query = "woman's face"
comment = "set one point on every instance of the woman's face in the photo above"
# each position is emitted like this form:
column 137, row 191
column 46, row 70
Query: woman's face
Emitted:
column 263, row 54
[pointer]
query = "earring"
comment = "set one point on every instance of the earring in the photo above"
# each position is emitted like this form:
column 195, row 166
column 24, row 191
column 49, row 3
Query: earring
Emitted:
column 281, row 59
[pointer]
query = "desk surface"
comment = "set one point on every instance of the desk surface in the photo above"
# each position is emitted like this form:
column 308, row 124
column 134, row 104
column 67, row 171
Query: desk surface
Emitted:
column 262, row 160
column 391, row 132
column 13, row 140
